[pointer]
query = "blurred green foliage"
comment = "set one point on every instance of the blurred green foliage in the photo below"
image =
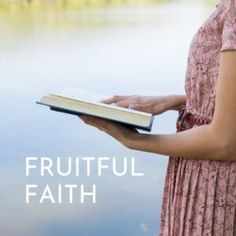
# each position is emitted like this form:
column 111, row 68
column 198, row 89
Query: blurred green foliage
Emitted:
column 37, row 4
column 70, row 3
column 17, row 15
column 52, row 14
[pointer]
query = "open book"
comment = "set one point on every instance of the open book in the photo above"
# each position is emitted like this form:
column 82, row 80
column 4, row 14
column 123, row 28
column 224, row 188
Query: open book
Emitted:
column 76, row 101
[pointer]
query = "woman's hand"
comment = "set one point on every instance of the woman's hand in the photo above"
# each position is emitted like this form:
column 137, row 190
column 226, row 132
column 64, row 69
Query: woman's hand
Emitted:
column 120, row 132
column 151, row 104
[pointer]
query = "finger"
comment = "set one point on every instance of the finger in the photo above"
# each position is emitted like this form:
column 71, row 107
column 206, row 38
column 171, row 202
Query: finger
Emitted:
column 124, row 104
column 114, row 99
column 89, row 120
column 139, row 107
column 96, row 122
column 83, row 117
column 135, row 107
column 86, row 119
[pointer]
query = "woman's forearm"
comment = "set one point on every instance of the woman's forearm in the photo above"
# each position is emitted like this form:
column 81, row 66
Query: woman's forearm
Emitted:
column 161, row 104
column 215, row 141
column 175, row 101
column 197, row 143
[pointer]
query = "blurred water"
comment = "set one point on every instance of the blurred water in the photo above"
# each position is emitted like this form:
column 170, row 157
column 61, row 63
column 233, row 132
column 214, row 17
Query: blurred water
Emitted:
column 125, row 50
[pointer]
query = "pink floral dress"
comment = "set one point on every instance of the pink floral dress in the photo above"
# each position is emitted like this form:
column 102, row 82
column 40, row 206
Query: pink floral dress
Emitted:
column 200, row 195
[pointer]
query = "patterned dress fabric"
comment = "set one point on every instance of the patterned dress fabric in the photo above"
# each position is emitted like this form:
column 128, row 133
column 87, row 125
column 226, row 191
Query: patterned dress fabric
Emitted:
column 200, row 195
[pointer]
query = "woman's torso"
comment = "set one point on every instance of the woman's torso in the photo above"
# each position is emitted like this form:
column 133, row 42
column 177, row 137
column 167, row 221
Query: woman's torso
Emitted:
column 203, row 64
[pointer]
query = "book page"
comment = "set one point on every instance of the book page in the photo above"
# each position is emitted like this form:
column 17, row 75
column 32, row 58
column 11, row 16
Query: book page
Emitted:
column 93, row 98
column 84, row 95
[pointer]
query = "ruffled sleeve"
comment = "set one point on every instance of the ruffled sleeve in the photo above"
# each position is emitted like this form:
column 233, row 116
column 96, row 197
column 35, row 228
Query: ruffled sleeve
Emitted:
column 229, row 28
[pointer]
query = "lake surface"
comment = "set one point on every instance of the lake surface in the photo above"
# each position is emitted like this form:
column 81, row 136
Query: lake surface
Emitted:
column 122, row 50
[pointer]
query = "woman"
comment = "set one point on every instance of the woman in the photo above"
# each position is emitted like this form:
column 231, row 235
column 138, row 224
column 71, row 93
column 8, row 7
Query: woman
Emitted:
column 200, row 185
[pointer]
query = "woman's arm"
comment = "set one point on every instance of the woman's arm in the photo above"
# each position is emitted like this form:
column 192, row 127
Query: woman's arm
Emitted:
column 216, row 141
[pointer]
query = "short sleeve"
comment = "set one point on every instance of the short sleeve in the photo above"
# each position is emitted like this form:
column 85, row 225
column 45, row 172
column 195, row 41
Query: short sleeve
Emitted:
column 229, row 28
